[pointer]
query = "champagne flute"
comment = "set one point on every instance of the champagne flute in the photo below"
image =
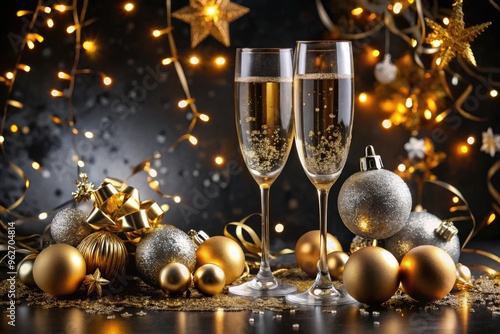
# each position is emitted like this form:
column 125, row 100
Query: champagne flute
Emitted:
column 264, row 121
column 323, row 101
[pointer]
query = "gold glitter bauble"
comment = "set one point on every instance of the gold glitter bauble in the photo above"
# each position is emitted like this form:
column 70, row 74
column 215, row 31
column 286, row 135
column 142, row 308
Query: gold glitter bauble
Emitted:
column 371, row 275
column 59, row 270
column 106, row 251
column 69, row 227
column 163, row 245
column 336, row 263
column 224, row 252
column 209, row 279
column 175, row 278
column 25, row 271
column 427, row 273
column 307, row 250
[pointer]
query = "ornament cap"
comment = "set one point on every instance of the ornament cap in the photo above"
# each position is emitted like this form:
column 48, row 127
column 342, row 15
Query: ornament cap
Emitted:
column 446, row 230
column 370, row 161
column 198, row 237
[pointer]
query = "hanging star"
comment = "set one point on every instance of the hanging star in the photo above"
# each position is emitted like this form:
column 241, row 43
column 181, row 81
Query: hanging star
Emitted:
column 454, row 38
column 210, row 17
column 95, row 282
column 84, row 188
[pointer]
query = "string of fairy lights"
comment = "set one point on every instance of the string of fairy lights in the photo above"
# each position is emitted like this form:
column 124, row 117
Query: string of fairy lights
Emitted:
column 89, row 46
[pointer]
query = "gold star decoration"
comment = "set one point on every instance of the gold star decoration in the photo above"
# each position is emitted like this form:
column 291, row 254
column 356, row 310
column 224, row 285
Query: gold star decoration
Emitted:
column 84, row 188
column 95, row 282
column 454, row 38
column 210, row 17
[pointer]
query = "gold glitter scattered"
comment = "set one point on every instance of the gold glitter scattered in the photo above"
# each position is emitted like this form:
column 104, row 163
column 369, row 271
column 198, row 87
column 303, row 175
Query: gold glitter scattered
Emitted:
column 325, row 151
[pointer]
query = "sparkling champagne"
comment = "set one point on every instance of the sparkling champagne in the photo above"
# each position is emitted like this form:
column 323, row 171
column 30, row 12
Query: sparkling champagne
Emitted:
column 323, row 112
column 265, row 124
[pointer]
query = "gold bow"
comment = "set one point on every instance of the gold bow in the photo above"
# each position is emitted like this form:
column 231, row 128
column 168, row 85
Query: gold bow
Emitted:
column 117, row 208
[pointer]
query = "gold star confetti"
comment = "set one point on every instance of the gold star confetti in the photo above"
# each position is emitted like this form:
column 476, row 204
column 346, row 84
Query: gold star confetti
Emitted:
column 95, row 282
column 454, row 38
column 210, row 17
column 84, row 188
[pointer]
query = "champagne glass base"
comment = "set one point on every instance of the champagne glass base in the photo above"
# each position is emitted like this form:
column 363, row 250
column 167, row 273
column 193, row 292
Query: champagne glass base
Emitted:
column 316, row 296
column 256, row 288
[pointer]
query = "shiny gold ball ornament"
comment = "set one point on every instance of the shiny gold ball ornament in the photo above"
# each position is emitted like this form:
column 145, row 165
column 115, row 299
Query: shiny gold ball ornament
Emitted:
column 25, row 271
column 427, row 273
column 371, row 275
column 374, row 203
column 424, row 228
column 307, row 250
column 69, row 226
column 59, row 270
column 163, row 245
column 175, row 278
column 224, row 252
column 209, row 279
column 336, row 262
column 463, row 280
column 106, row 251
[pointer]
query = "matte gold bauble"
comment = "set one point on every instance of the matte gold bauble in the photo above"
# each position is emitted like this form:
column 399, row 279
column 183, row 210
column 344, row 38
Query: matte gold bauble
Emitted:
column 175, row 278
column 25, row 271
column 106, row 251
column 224, row 252
column 59, row 270
column 209, row 279
column 336, row 263
column 307, row 250
column 427, row 273
column 371, row 275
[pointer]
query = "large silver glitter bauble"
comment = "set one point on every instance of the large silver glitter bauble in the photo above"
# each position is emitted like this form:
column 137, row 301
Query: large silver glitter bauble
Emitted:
column 163, row 245
column 419, row 231
column 385, row 71
column 374, row 204
column 69, row 227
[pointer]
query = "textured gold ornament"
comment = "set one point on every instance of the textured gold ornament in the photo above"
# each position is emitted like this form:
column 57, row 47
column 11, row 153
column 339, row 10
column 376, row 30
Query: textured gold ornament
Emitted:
column 25, row 271
column 105, row 251
column 175, row 278
column 59, row 270
column 224, row 252
column 371, row 275
column 209, row 279
column 336, row 262
column 427, row 273
column 210, row 17
column 307, row 250
column 454, row 38
column 163, row 245
column 94, row 282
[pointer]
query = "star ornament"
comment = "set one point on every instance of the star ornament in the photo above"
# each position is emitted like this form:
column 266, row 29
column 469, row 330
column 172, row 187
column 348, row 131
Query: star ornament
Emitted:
column 95, row 282
column 210, row 17
column 454, row 38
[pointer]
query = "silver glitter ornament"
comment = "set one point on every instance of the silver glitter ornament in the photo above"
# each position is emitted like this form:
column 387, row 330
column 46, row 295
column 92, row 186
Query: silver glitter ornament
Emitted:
column 424, row 228
column 163, row 245
column 69, row 226
column 385, row 71
column 374, row 203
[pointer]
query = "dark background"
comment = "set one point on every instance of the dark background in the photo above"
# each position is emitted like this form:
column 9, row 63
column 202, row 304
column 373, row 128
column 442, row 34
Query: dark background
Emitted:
column 130, row 126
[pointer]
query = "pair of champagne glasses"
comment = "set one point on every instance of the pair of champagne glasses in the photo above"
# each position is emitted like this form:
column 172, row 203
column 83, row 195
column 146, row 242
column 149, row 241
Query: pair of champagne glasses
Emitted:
column 308, row 94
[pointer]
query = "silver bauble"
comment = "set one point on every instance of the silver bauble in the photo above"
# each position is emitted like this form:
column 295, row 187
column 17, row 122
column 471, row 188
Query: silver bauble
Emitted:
column 421, row 230
column 374, row 203
column 385, row 71
column 163, row 245
column 69, row 227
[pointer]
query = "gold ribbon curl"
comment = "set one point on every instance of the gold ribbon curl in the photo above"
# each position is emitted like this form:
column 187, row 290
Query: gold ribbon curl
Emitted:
column 252, row 247
column 118, row 208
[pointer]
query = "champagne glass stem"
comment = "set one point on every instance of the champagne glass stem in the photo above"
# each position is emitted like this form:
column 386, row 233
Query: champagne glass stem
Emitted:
column 323, row 280
column 265, row 273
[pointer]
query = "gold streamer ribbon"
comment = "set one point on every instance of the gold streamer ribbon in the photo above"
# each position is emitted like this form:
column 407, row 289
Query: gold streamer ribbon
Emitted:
column 253, row 246
column 490, row 271
column 118, row 208
column 491, row 188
